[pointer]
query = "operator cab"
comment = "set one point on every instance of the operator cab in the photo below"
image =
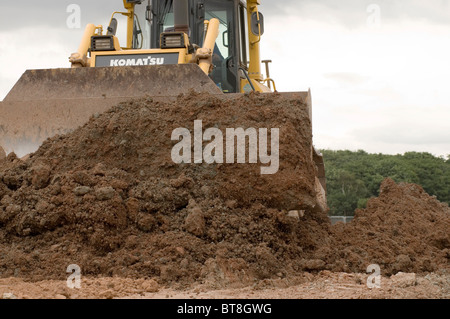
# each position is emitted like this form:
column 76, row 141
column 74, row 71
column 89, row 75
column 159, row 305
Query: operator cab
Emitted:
column 154, row 17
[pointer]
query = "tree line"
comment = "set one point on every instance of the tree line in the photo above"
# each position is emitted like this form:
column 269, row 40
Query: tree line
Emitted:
column 354, row 177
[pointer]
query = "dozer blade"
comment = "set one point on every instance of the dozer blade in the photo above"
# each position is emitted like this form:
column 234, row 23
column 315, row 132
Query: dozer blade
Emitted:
column 320, row 183
column 45, row 103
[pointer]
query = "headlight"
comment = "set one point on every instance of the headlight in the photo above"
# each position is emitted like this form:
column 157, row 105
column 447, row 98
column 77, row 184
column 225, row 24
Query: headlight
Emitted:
column 172, row 40
column 102, row 43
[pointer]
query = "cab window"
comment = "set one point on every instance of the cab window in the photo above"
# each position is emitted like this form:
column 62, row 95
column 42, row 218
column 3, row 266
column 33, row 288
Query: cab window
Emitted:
column 223, row 50
column 141, row 34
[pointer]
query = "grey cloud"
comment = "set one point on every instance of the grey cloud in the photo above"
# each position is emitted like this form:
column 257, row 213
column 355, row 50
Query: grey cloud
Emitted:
column 347, row 78
column 350, row 13
column 31, row 13
column 353, row 13
column 407, row 132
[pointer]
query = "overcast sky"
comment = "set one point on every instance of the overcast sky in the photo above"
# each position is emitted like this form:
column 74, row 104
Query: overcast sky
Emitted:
column 379, row 71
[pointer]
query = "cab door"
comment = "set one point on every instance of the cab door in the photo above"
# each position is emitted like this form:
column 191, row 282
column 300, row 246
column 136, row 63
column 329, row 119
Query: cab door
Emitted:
column 226, row 51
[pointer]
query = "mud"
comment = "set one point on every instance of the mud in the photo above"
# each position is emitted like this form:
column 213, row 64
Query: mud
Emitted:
column 403, row 230
column 109, row 198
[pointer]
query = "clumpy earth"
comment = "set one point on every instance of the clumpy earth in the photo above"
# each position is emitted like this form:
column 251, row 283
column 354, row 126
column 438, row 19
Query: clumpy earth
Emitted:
column 403, row 230
column 109, row 198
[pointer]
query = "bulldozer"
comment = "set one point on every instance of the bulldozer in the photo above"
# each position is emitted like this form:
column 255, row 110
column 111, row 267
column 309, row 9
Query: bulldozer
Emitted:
column 156, row 48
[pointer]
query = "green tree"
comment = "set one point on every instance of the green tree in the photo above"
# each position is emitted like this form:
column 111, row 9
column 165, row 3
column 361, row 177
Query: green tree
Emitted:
column 354, row 177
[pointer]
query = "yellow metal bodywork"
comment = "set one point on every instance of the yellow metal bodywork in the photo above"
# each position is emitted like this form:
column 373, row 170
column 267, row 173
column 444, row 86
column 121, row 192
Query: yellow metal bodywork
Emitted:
column 208, row 46
column 201, row 56
column 183, row 58
column 130, row 22
column 259, row 87
column 254, row 69
column 79, row 58
column 130, row 14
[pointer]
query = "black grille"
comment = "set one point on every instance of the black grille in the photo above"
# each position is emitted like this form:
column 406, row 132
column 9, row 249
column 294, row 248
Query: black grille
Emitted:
column 102, row 43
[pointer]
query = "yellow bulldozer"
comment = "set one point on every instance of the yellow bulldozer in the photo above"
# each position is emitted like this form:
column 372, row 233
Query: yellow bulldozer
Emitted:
column 157, row 48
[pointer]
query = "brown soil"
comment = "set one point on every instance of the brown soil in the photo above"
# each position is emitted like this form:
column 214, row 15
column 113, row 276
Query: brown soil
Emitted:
column 2, row 154
column 404, row 229
column 108, row 198
column 324, row 285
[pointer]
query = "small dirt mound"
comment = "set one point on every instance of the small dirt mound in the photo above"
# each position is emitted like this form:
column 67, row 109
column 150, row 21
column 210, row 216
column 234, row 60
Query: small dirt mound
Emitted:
column 404, row 229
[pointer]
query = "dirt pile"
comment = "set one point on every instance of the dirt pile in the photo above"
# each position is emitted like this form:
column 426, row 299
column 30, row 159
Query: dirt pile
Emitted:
column 109, row 198
column 2, row 153
column 404, row 229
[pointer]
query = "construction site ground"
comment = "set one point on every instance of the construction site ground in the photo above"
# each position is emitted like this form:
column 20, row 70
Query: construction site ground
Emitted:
column 325, row 285
column 109, row 199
